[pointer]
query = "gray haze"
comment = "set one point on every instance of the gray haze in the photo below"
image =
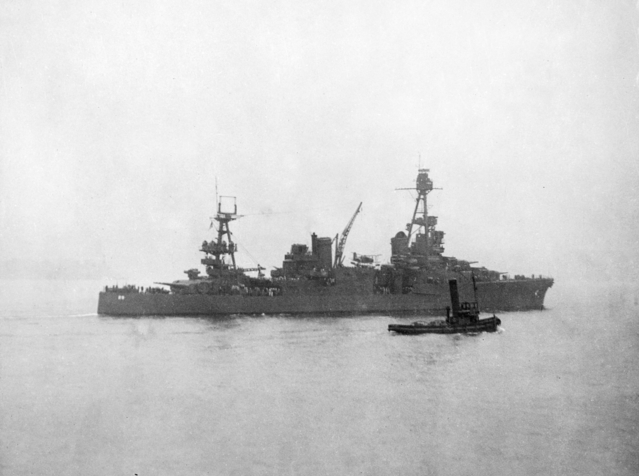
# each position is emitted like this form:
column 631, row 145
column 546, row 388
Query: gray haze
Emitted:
column 116, row 119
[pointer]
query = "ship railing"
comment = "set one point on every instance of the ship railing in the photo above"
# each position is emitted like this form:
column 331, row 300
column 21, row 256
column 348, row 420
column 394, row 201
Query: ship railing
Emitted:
column 126, row 289
column 522, row 277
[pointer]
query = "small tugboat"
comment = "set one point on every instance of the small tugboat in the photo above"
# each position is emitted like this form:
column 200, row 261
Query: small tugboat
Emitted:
column 464, row 319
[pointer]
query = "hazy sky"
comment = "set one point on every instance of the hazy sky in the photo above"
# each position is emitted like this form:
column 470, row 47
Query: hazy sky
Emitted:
column 115, row 121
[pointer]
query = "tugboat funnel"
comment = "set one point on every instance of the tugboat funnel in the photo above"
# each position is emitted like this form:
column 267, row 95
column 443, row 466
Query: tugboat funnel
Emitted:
column 454, row 296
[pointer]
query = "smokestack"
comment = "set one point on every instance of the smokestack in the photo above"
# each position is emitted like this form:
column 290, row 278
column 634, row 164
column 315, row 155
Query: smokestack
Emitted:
column 454, row 296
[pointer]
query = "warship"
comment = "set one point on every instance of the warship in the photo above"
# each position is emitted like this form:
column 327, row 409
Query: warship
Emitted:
column 315, row 282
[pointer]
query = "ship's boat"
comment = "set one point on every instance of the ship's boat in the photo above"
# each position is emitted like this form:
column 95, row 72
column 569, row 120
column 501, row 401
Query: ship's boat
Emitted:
column 311, row 281
column 463, row 320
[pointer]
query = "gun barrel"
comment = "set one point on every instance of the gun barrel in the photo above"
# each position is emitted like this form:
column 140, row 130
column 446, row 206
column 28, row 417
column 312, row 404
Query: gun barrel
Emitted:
column 177, row 285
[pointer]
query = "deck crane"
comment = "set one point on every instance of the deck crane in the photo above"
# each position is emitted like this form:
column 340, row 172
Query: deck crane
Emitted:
column 339, row 251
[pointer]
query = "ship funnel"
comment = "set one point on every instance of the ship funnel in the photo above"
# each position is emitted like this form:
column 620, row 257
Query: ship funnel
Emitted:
column 454, row 296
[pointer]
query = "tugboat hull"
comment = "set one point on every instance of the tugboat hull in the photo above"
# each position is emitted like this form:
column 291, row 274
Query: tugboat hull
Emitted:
column 483, row 325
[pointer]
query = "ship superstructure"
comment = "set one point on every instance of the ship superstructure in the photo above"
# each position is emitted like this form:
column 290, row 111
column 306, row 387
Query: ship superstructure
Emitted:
column 426, row 247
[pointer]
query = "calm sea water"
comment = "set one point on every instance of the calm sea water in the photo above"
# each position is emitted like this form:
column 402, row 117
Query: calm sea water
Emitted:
column 556, row 392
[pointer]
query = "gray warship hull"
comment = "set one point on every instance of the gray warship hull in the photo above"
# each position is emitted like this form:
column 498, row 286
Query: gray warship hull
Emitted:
column 505, row 295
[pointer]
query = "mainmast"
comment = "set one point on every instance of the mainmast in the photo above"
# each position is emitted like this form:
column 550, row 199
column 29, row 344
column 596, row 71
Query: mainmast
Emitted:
column 224, row 245
column 427, row 241
column 424, row 185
